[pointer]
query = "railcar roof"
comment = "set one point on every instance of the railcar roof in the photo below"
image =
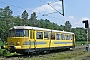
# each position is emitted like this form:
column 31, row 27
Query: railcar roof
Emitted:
column 37, row 28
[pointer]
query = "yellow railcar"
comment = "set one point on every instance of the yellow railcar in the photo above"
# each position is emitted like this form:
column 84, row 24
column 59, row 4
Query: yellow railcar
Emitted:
column 26, row 39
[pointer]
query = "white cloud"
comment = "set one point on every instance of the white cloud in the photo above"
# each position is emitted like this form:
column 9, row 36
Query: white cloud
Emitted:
column 71, row 17
column 44, row 9
column 76, row 22
column 84, row 18
column 47, row 9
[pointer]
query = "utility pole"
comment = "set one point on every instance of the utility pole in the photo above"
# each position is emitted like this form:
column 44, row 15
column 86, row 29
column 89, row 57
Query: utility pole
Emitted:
column 87, row 35
column 63, row 7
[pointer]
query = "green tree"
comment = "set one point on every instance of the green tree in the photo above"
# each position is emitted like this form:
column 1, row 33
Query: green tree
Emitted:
column 7, row 11
column 5, row 20
column 61, row 27
column 7, row 15
column 25, row 17
column 33, row 20
column 17, row 21
column 68, row 26
column 79, row 34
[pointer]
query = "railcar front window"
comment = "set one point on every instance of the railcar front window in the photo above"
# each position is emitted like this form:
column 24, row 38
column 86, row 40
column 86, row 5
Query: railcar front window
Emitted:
column 12, row 33
column 19, row 33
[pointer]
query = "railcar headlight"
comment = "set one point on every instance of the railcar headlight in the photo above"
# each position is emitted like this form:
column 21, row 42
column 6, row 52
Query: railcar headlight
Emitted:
column 17, row 43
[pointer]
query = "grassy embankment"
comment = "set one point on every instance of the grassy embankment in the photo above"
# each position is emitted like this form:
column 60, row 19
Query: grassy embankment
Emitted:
column 78, row 54
column 81, row 42
column 73, row 55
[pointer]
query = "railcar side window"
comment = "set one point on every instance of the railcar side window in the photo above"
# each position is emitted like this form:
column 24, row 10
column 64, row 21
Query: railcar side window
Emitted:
column 62, row 36
column 26, row 33
column 49, row 36
column 53, row 36
column 67, row 37
column 70, row 37
column 39, row 35
column 57, row 36
column 45, row 34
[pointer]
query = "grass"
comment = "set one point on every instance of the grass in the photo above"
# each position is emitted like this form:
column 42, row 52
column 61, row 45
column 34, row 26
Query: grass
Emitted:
column 81, row 42
column 61, row 56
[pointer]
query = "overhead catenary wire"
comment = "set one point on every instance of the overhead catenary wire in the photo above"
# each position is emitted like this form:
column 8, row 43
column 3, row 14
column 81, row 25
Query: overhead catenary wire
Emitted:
column 59, row 12
column 52, row 7
column 31, row 10
column 13, row 5
column 55, row 12
column 49, row 2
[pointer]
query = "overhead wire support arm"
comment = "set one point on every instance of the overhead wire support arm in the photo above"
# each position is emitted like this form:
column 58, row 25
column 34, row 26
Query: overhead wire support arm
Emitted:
column 54, row 8
column 48, row 13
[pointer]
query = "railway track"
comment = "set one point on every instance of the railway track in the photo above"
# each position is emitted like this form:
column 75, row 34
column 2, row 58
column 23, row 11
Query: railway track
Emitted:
column 22, row 57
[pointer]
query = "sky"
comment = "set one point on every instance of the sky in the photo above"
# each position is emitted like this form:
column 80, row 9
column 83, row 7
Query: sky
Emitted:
column 75, row 10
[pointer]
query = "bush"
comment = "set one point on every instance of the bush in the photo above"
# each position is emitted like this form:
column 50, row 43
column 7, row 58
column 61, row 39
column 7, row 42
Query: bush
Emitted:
column 5, row 53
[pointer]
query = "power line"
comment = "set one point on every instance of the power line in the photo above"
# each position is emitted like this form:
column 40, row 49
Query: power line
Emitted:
column 13, row 5
column 52, row 7
column 31, row 10
column 55, row 8
column 52, row 12
column 49, row 2
column 58, row 11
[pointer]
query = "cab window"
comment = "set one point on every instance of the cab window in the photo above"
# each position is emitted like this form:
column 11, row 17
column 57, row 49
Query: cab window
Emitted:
column 19, row 33
column 12, row 33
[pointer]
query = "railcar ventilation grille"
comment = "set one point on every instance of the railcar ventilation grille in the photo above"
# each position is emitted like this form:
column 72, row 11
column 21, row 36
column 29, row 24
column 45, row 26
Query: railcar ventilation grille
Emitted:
column 11, row 43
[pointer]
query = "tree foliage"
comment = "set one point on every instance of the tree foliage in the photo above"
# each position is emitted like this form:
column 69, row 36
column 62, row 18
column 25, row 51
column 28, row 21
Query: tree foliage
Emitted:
column 7, row 21
column 68, row 26
column 25, row 18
